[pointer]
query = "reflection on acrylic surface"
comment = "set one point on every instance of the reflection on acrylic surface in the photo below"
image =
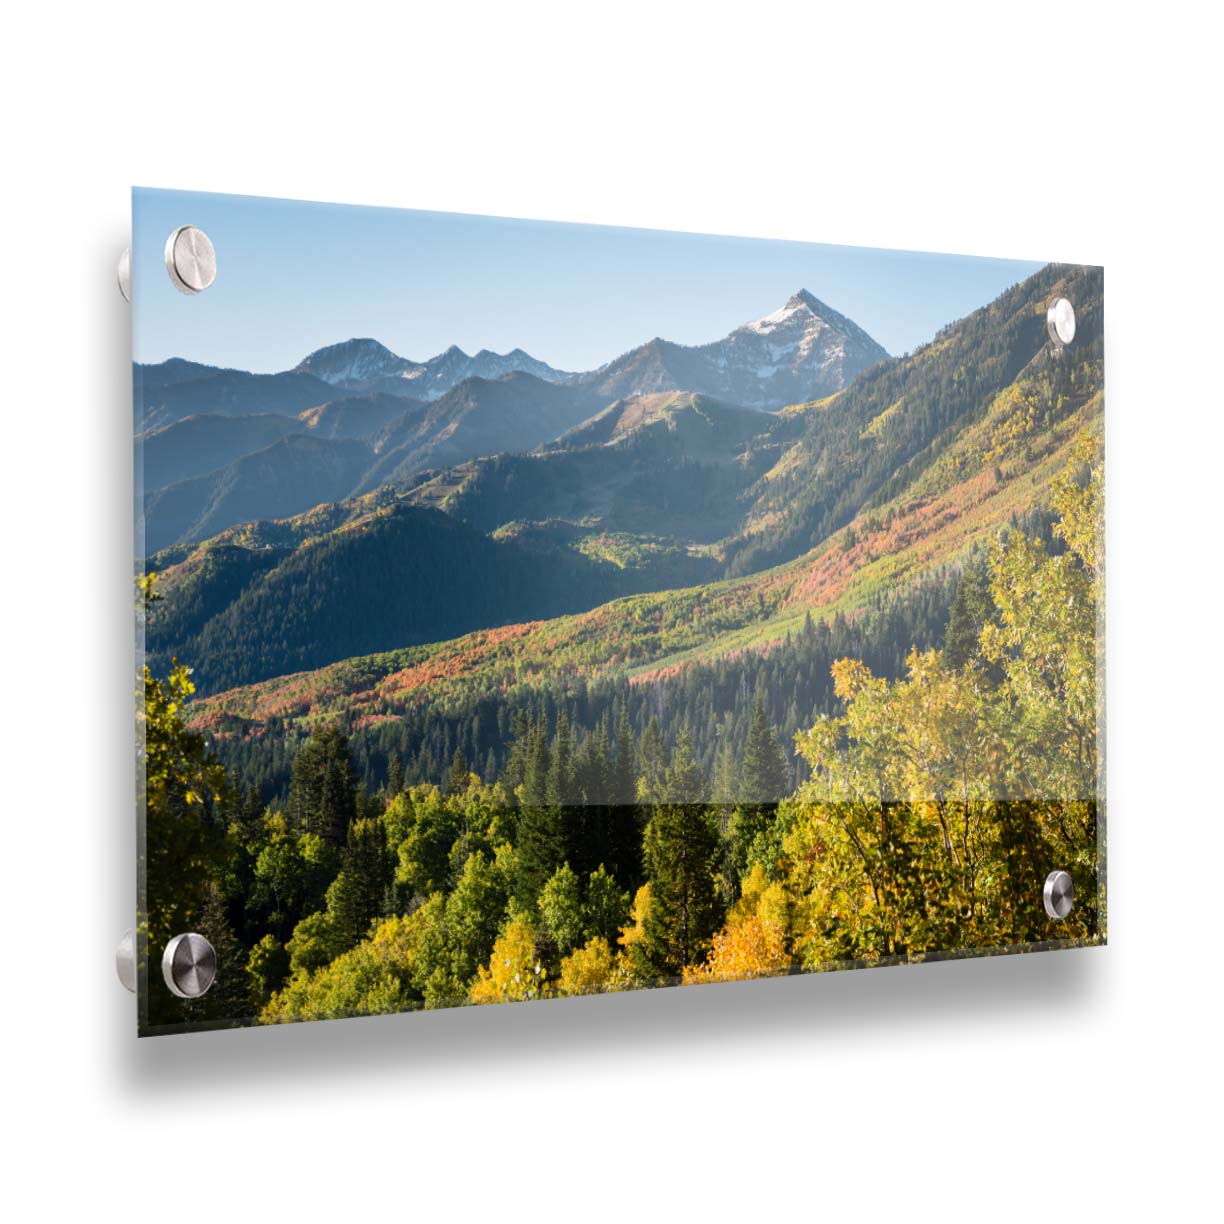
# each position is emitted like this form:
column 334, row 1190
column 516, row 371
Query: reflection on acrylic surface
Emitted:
column 528, row 674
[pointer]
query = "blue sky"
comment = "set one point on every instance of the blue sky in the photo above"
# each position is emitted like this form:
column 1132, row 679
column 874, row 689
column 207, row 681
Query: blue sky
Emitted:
column 292, row 277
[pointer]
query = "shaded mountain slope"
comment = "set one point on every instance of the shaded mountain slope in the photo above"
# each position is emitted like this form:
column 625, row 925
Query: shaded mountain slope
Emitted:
column 396, row 575
column 288, row 477
column 198, row 445
column 209, row 472
column 226, row 393
column 159, row 375
column 478, row 417
column 672, row 463
column 686, row 422
column 365, row 416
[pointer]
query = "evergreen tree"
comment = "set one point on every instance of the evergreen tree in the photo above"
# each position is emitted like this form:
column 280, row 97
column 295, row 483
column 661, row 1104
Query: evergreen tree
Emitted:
column 357, row 894
column 682, row 852
column 520, row 746
column 589, row 841
column 562, row 794
column 395, row 775
column 229, row 997
column 972, row 608
column 541, row 844
column 764, row 779
column 323, row 787
column 624, row 836
column 365, row 805
column 252, row 808
column 624, row 775
column 592, row 768
column 457, row 783
column 765, row 772
column 560, row 776
column 725, row 790
column 651, row 759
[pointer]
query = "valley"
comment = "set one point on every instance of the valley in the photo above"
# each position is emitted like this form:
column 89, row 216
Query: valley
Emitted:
column 722, row 527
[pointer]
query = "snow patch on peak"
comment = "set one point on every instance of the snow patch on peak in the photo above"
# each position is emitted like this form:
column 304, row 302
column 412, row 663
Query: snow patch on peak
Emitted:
column 771, row 322
column 800, row 312
column 365, row 364
column 352, row 361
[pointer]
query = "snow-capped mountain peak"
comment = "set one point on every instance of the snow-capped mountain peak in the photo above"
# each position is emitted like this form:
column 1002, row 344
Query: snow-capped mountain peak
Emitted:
column 353, row 362
column 802, row 351
column 803, row 312
column 800, row 308
column 367, row 365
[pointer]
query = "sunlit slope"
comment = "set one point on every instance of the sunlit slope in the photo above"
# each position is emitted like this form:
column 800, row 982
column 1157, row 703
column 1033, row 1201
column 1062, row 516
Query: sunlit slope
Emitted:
column 994, row 471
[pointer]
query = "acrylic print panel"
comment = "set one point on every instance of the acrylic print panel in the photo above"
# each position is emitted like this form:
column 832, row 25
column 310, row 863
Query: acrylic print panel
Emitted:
column 536, row 610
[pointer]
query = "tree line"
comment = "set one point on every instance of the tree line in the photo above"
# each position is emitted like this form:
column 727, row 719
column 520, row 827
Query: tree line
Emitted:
column 712, row 701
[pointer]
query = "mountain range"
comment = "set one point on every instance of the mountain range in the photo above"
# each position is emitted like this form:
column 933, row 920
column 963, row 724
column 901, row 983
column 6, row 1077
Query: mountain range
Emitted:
column 223, row 446
column 367, row 365
column 723, row 525
column 802, row 351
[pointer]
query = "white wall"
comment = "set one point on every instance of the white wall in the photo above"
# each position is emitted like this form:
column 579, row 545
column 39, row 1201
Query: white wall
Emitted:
column 984, row 1090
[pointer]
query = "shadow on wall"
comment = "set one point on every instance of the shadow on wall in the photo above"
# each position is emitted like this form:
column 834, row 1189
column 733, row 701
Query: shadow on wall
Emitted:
column 461, row 1043
column 449, row 1046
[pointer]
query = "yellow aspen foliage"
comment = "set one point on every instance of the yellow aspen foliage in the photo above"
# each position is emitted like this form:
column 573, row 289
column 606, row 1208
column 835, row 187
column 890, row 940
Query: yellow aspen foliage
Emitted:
column 635, row 932
column 587, row 970
column 632, row 962
column 513, row 973
column 1081, row 510
column 755, row 942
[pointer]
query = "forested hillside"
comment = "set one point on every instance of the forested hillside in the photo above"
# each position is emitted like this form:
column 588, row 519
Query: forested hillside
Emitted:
column 864, row 447
column 399, row 574
column 888, row 562
column 660, row 492
column 608, row 859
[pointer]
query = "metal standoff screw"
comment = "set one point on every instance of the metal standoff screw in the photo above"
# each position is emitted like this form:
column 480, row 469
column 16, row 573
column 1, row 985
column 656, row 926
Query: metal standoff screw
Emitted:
column 1060, row 322
column 189, row 965
column 124, row 273
column 190, row 259
column 1058, row 895
column 125, row 961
